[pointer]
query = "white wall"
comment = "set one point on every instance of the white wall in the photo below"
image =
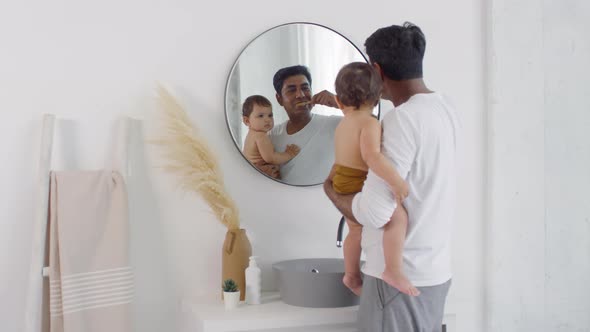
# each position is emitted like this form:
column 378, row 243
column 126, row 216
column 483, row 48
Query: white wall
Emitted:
column 91, row 62
column 567, row 164
column 516, row 231
column 539, row 152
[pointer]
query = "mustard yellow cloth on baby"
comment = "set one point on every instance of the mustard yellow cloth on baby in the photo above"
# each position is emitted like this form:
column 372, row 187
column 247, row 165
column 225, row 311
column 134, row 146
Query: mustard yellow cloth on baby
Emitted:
column 348, row 180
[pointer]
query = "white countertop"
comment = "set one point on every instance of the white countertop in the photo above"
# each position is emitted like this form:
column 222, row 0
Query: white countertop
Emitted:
column 209, row 315
column 272, row 313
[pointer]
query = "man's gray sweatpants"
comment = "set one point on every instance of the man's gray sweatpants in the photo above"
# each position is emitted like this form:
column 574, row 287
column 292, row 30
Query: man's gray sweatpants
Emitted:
column 385, row 309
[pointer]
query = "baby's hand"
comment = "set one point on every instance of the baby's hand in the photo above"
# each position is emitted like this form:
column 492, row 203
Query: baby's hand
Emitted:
column 292, row 150
column 401, row 190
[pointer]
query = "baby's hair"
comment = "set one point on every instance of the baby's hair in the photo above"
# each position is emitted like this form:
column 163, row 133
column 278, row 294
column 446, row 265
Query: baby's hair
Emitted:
column 358, row 84
column 249, row 103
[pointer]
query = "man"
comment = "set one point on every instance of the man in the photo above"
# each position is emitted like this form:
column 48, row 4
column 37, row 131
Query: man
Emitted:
column 313, row 133
column 420, row 139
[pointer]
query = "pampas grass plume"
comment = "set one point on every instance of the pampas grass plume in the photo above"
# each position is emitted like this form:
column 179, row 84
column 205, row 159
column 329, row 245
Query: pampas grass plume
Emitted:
column 189, row 158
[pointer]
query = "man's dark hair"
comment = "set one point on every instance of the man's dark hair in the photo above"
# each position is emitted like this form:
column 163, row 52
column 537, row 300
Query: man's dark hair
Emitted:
column 249, row 103
column 358, row 84
column 399, row 51
column 282, row 74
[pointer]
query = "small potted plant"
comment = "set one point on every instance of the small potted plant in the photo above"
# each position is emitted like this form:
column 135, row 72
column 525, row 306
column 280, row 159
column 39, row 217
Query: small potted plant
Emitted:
column 231, row 294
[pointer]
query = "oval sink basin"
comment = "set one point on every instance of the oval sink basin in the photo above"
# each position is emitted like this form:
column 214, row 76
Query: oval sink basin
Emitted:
column 314, row 283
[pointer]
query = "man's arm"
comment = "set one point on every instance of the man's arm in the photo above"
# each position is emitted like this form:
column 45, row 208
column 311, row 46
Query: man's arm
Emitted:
column 269, row 169
column 325, row 98
column 342, row 202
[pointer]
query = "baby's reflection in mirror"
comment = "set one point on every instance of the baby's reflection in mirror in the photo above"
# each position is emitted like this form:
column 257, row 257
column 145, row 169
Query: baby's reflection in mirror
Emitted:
column 258, row 148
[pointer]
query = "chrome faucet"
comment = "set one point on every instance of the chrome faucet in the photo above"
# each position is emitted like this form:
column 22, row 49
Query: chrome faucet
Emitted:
column 339, row 234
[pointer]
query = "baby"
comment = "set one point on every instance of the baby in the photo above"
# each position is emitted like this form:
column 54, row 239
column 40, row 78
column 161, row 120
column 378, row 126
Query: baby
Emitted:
column 357, row 149
column 258, row 149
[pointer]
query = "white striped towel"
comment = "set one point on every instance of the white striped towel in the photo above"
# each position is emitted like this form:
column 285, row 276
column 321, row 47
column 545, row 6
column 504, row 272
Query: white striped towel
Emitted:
column 91, row 281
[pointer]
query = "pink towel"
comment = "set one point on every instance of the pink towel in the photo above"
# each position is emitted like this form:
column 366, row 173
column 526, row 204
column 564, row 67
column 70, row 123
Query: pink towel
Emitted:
column 91, row 281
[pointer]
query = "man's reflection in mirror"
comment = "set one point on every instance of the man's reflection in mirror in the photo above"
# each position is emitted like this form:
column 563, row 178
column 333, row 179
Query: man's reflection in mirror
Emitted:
column 258, row 149
column 312, row 133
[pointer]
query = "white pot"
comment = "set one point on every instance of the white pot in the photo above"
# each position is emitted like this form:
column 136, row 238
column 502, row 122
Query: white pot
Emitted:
column 231, row 299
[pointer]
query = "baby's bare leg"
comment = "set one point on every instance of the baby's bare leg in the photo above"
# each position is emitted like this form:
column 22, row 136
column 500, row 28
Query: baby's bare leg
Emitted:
column 394, row 235
column 352, row 256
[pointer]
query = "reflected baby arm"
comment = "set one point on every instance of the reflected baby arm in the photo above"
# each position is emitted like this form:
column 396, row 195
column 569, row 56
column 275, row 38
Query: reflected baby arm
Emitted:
column 268, row 153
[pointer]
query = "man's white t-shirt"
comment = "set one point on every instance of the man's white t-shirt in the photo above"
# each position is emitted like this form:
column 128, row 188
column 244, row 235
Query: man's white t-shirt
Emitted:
column 316, row 140
column 420, row 137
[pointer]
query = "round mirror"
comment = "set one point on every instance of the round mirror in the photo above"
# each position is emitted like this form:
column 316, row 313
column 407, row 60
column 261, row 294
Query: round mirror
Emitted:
column 268, row 101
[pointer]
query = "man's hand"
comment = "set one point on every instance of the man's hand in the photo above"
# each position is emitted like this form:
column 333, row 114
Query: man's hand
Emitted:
column 324, row 97
column 271, row 170
column 342, row 202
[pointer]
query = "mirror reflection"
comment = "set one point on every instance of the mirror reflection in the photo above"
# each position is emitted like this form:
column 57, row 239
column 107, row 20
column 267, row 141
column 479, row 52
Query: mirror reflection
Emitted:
column 275, row 101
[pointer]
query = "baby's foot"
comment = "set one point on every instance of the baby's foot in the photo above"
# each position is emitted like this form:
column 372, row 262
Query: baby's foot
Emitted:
column 399, row 281
column 353, row 282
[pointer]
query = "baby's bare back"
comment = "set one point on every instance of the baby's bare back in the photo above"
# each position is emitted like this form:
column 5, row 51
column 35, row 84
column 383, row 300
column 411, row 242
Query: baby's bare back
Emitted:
column 250, row 149
column 347, row 140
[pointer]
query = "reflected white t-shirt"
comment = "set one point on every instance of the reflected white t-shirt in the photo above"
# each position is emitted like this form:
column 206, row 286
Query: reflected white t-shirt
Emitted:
column 420, row 137
column 316, row 140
